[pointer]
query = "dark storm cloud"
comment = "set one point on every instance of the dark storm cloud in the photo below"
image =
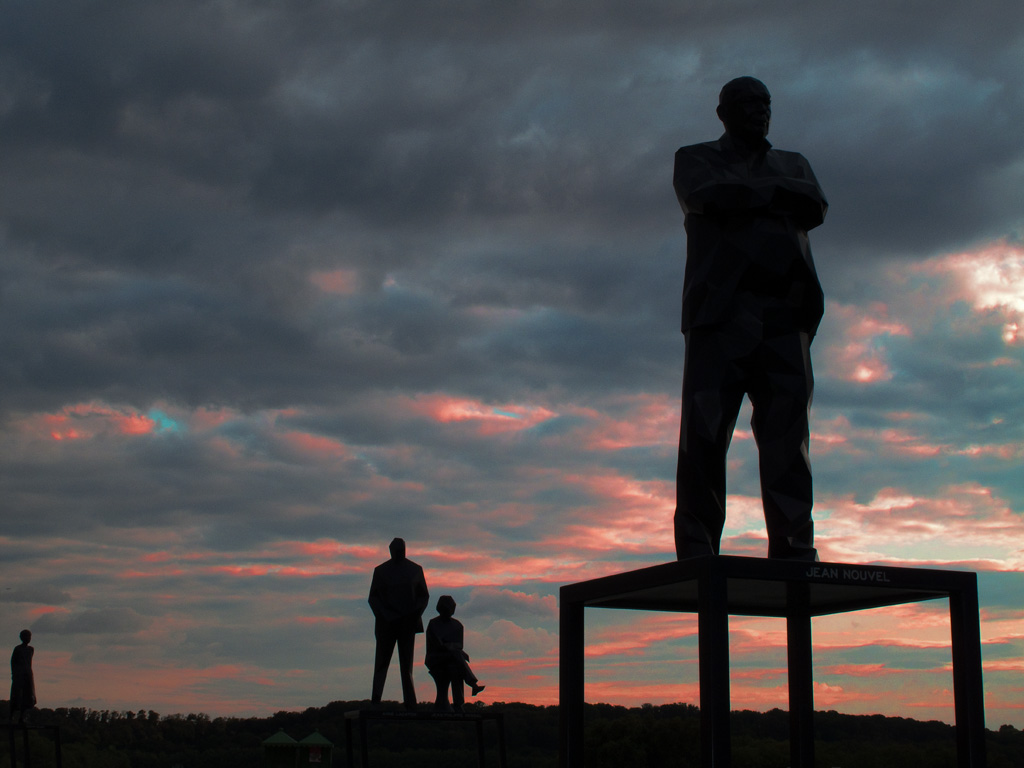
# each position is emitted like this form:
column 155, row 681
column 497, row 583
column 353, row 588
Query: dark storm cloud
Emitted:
column 317, row 109
column 101, row 621
column 171, row 175
column 77, row 64
column 41, row 594
column 224, row 136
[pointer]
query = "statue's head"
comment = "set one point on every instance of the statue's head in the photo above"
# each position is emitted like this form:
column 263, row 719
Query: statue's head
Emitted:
column 25, row 636
column 446, row 606
column 745, row 108
column 397, row 547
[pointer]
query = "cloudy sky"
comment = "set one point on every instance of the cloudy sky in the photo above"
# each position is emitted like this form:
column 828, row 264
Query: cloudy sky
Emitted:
column 282, row 280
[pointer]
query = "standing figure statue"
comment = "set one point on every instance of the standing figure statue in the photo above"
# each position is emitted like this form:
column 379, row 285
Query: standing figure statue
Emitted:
column 446, row 660
column 23, row 684
column 751, row 306
column 398, row 597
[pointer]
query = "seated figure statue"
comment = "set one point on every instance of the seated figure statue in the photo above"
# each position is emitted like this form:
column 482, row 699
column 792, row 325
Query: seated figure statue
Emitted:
column 446, row 660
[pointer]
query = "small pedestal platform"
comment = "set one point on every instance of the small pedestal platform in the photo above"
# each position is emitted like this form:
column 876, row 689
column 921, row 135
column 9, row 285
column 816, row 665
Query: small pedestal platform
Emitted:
column 363, row 716
column 717, row 586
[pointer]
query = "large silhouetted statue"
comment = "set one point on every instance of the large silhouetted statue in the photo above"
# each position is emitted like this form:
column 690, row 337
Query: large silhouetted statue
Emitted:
column 446, row 660
column 751, row 306
column 398, row 597
column 23, row 684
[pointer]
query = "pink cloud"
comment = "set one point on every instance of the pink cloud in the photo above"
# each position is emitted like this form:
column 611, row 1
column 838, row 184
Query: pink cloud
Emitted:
column 629, row 422
column 745, row 513
column 637, row 637
column 83, row 421
column 43, row 610
column 867, row 322
column 342, row 282
column 487, row 419
column 529, row 648
column 838, row 435
column 965, row 522
column 316, row 446
column 756, row 635
column 205, row 419
column 829, row 435
column 872, row 670
column 284, row 559
column 488, row 569
column 1000, row 702
column 1004, row 451
column 908, row 443
column 165, row 556
column 862, row 358
column 991, row 279
column 245, row 571
column 617, row 514
column 759, row 674
column 329, row 549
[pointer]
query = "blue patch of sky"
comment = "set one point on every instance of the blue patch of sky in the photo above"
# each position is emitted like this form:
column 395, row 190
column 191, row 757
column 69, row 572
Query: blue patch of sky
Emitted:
column 164, row 422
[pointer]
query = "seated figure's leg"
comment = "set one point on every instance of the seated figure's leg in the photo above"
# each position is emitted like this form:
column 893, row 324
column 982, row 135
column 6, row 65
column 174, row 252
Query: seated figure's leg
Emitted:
column 712, row 394
column 467, row 676
column 781, row 398
column 458, row 694
column 441, row 682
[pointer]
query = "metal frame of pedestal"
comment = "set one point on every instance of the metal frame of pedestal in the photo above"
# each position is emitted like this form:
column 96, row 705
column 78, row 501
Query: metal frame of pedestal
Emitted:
column 364, row 716
column 717, row 586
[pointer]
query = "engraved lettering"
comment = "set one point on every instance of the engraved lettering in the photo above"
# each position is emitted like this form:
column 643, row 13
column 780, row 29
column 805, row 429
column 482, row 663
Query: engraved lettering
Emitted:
column 848, row 574
column 818, row 572
column 852, row 574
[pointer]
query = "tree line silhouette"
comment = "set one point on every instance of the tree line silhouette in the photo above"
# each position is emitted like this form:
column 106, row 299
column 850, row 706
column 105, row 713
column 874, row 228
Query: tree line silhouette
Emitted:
column 641, row 737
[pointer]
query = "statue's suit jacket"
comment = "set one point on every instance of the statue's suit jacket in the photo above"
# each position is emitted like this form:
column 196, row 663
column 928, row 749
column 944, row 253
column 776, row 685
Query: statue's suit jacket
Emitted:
column 398, row 596
column 747, row 219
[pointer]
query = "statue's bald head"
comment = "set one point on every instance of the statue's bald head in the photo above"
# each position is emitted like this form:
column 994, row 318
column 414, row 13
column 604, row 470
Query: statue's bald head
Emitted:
column 741, row 86
column 744, row 107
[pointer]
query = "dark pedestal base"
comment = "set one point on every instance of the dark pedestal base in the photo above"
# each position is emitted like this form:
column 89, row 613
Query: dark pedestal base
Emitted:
column 716, row 586
column 363, row 716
